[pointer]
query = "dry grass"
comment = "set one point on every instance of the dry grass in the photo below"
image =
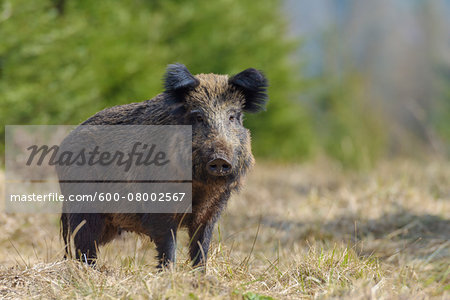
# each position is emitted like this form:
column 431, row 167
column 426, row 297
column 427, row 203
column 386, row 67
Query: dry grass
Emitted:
column 294, row 232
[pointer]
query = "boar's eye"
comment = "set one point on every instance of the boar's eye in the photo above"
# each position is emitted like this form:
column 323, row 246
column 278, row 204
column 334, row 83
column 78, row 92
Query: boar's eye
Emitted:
column 199, row 119
column 197, row 116
column 235, row 117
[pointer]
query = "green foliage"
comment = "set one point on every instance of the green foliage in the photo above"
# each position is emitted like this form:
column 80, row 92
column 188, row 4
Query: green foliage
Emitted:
column 62, row 68
column 350, row 128
column 254, row 296
column 441, row 111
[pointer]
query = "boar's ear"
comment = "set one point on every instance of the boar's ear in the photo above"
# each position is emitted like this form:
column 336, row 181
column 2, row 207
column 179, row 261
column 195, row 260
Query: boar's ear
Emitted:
column 253, row 85
column 179, row 79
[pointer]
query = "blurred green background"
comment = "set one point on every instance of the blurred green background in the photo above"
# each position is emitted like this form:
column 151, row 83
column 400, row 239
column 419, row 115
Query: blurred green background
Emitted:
column 350, row 81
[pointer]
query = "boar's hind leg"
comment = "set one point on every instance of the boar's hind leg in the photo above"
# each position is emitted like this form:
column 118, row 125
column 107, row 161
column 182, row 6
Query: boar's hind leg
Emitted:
column 88, row 236
column 200, row 237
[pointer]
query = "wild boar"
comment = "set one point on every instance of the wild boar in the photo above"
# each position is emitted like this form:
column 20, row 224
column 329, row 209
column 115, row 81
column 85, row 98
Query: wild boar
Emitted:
column 221, row 157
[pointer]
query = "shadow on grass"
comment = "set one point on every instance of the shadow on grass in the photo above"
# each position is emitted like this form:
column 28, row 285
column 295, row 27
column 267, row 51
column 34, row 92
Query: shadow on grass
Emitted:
column 418, row 235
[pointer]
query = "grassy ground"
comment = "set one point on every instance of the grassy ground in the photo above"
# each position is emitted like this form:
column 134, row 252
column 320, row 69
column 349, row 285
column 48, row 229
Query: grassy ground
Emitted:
column 308, row 231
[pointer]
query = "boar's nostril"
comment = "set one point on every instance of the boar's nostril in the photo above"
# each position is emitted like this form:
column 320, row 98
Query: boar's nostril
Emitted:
column 219, row 167
column 226, row 167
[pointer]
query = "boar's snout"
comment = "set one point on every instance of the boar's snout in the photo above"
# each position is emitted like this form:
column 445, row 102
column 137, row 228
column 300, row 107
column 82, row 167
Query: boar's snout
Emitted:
column 219, row 167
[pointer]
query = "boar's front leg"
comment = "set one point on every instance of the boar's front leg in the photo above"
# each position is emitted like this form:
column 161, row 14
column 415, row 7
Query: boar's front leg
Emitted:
column 166, row 247
column 163, row 231
column 200, row 238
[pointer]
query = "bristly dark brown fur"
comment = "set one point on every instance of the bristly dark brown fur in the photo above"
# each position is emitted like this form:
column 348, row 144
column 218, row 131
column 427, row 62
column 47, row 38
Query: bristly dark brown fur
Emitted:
column 213, row 105
column 253, row 85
